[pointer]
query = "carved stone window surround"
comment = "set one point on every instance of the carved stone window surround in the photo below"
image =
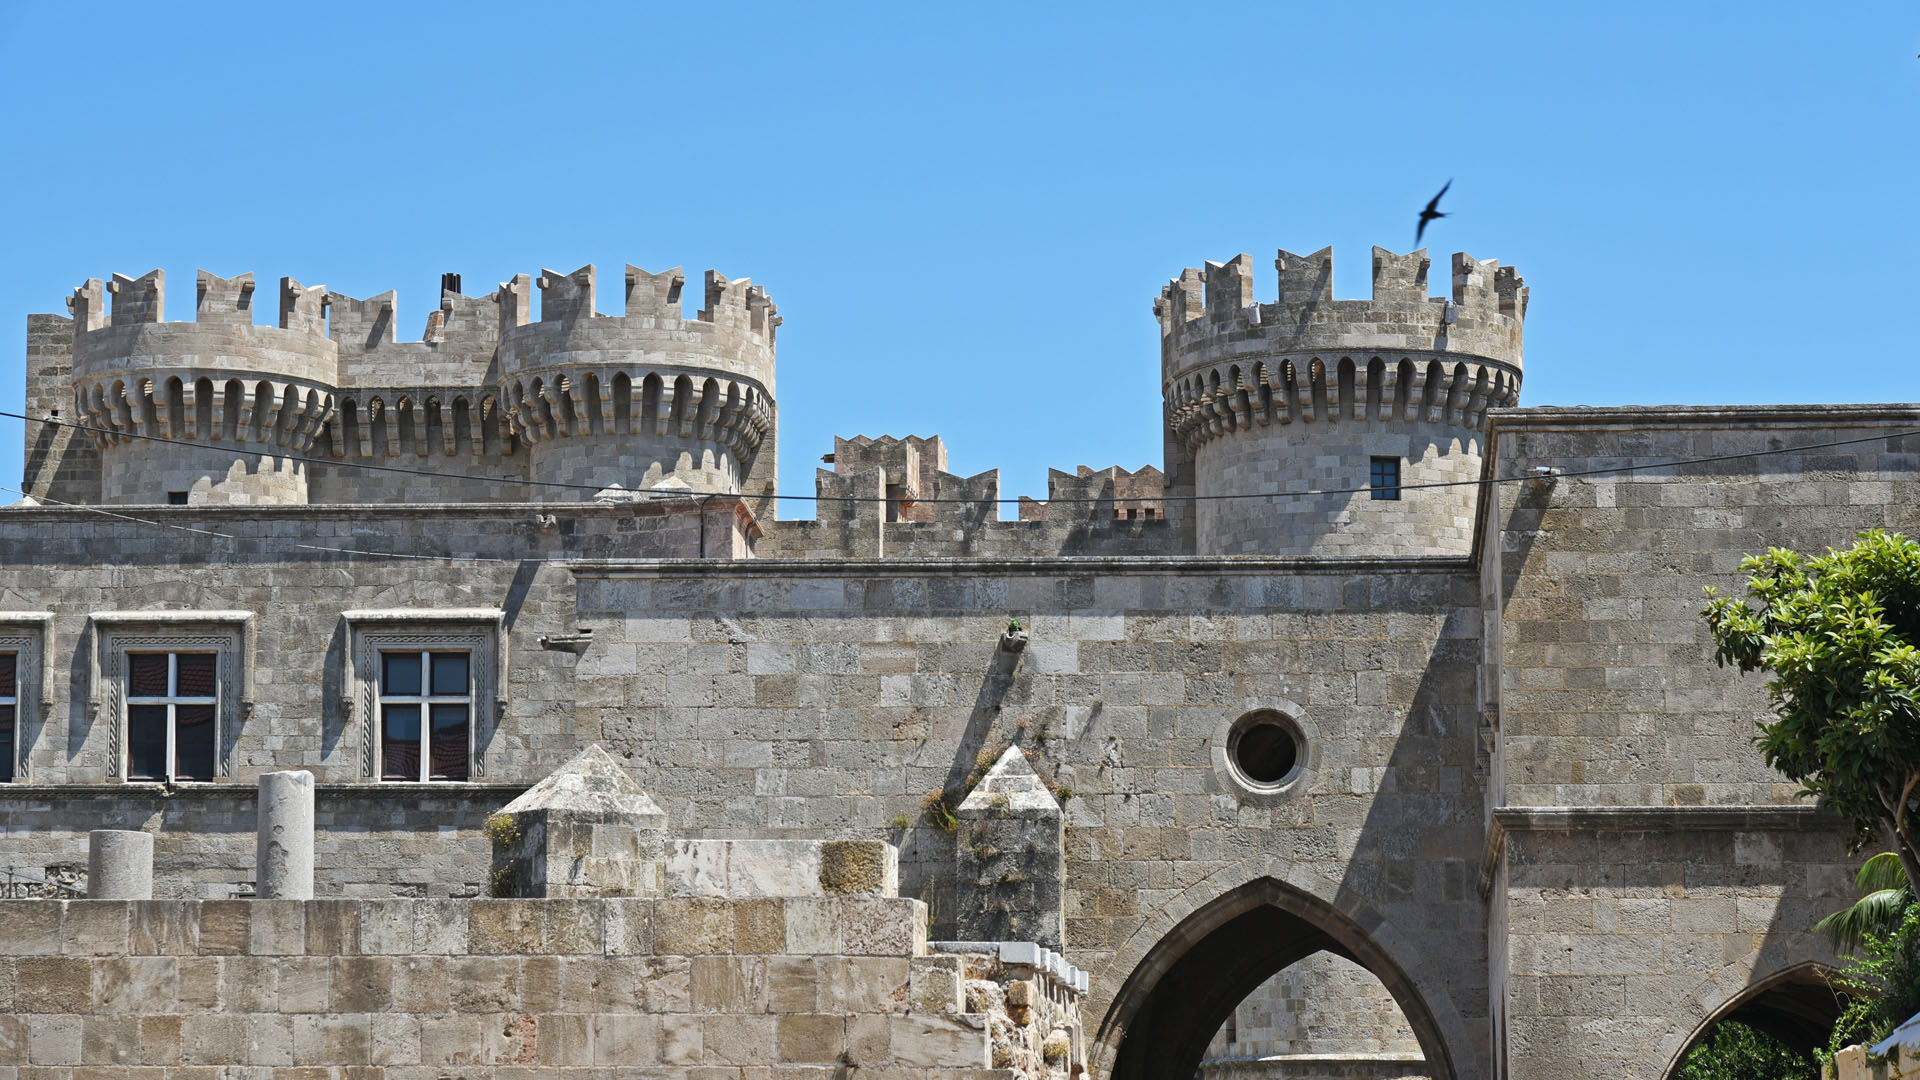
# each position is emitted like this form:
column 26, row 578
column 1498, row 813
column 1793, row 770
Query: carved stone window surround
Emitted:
column 26, row 634
column 228, row 634
column 370, row 632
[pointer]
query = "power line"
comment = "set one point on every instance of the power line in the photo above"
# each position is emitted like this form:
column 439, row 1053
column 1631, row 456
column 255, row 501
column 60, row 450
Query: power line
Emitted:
column 690, row 494
column 217, row 534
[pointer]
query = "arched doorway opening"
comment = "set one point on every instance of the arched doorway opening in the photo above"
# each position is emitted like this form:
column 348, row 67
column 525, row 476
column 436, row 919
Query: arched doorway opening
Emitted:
column 1188, row 984
column 1796, row 1007
column 1324, row 1016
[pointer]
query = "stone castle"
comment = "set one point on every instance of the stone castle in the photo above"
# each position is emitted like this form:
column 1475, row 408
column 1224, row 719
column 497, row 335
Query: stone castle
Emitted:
column 1375, row 734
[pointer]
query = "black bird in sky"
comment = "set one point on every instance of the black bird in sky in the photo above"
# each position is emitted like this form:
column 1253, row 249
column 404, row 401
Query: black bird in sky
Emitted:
column 1429, row 214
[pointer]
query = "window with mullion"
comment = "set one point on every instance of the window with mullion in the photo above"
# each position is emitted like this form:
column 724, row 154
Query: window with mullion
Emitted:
column 426, row 715
column 1384, row 478
column 172, row 702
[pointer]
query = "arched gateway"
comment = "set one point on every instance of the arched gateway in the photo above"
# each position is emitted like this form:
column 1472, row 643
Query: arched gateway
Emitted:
column 1189, row 981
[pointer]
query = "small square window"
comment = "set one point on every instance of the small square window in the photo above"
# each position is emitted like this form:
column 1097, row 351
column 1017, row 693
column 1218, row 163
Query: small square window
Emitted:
column 176, row 498
column 1384, row 478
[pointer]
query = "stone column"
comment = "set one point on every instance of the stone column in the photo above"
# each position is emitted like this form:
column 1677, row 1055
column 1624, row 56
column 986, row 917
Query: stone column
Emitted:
column 119, row 865
column 283, row 849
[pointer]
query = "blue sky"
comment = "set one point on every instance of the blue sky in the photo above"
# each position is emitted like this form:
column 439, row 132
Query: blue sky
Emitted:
column 964, row 211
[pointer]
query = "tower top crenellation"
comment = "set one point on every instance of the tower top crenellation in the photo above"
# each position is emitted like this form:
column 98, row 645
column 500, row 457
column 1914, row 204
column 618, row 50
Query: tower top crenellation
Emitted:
column 1204, row 313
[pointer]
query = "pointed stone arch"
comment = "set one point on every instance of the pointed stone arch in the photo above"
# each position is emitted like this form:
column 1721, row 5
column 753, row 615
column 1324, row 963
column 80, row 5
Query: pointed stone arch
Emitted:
column 1795, row 1004
column 1188, row 967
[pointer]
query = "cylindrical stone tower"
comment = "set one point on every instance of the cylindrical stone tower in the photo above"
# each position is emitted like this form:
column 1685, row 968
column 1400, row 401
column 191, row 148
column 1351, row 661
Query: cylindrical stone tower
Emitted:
column 1268, row 403
column 644, row 398
column 210, row 411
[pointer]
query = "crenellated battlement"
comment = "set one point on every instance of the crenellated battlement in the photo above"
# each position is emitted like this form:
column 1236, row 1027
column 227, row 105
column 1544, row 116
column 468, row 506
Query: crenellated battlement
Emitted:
column 1231, row 362
column 1355, row 398
column 1212, row 313
column 138, row 300
column 688, row 395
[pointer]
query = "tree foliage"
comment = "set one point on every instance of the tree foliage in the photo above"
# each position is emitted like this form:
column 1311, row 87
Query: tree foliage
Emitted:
column 1840, row 634
column 1734, row 1051
column 1885, row 898
column 1881, row 984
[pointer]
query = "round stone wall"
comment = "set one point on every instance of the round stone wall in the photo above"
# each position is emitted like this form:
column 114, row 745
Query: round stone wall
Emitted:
column 208, row 475
column 211, row 410
column 1298, row 459
column 633, row 461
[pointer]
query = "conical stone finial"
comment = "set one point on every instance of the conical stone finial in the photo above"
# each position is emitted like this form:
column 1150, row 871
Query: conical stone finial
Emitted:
column 1011, row 785
column 1011, row 858
column 586, row 830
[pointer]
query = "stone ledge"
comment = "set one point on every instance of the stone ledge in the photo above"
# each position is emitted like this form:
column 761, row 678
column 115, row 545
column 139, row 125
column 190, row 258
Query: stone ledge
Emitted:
column 1055, row 564
column 1636, row 417
column 1041, row 959
column 1658, row 818
column 1665, row 819
column 248, row 789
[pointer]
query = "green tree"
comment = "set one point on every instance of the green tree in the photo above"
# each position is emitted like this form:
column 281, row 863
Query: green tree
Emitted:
column 1838, row 633
column 1734, row 1051
column 1881, row 984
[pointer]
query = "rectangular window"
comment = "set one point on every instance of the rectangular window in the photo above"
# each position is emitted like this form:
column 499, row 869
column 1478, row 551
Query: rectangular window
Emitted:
column 426, row 715
column 9, row 711
column 1385, row 478
column 176, row 498
column 172, row 701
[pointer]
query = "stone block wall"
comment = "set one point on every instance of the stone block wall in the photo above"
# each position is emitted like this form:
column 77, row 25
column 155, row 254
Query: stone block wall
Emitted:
column 1325, row 1004
column 1608, row 693
column 822, row 701
column 1626, row 931
column 62, row 464
column 410, row 990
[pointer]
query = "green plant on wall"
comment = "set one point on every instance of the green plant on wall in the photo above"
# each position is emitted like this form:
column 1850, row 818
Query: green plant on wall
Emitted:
column 1881, row 984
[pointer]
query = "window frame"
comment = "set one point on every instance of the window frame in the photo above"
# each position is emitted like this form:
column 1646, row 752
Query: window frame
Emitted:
column 171, row 700
column 478, row 632
column 424, row 700
column 25, row 634
column 1383, row 492
column 118, row 635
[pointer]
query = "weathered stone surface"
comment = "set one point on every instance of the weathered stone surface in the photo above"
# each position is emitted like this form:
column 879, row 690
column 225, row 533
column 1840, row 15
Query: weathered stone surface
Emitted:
column 586, row 830
column 1450, row 659
column 119, row 865
column 283, row 851
column 1010, row 875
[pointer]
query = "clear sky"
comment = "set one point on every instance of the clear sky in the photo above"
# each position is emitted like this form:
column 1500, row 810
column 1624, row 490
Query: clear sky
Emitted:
column 965, row 211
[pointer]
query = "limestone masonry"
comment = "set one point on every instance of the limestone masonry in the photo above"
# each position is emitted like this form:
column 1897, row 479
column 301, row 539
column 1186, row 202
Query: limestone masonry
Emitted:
column 397, row 710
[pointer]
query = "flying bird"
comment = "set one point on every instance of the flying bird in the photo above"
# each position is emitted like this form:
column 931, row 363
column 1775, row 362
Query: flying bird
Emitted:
column 1430, row 213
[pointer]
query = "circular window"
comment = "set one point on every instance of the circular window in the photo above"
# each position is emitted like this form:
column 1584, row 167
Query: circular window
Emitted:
column 1264, row 749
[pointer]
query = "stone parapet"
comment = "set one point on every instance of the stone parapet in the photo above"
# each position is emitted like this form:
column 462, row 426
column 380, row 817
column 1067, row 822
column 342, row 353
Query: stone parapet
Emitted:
column 643, row 397
column 671, row 984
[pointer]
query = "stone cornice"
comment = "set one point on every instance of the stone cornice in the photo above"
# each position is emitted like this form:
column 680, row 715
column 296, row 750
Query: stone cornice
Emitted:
column 244, row 789
column 1676, row 819
column 1184, row 565
column 1642, row 418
